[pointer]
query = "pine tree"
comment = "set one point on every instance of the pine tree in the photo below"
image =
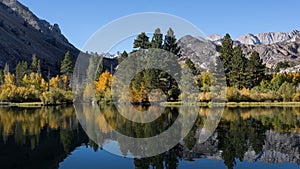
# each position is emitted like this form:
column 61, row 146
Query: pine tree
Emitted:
column 67, row 65
column 34, row 67
column 123, row 56
column 226, row 55
column 90, row 72
column 237, row 67
column 217, row 81
column 39, row 67
column 191, row 65
column 170, row 43
column 142, row 41
column 281, row 65
column 255, row 70
column 99, row 61
column 150, row 75
column 1, row 77
column 6, row 69
column 170, row 85
column 21, row 70
column 157, row 39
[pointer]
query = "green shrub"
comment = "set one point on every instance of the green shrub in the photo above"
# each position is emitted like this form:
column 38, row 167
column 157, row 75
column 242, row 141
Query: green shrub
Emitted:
column 54, row 96
column 232, row 94
column 296, row 97
column 286, row 91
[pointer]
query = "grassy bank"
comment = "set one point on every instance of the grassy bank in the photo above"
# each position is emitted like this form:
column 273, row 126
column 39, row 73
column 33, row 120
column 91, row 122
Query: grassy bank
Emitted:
column 239, row 104
column 263, row 104
column 33, row 104
column 27, row 104
column 179, row 103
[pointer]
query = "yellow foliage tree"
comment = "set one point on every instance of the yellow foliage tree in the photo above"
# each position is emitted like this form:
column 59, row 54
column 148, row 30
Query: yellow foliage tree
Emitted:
column 103, row 86
column 245, row 94
column 9, row 89
column 135, row 95
column 87, row 94
column 296, row 78
column 66, row 83
column 55, row 82
column 9, row 79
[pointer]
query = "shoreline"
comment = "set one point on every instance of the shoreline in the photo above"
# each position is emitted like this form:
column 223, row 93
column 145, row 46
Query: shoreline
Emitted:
column 170, row 104
column 30, row 104
column 238, row 104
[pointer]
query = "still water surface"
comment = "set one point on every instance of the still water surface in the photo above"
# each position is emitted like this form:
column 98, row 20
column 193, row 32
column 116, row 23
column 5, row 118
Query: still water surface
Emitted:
column 52, row 138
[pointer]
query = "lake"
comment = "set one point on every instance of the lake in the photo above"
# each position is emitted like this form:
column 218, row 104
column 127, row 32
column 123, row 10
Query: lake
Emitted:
column 52, row 138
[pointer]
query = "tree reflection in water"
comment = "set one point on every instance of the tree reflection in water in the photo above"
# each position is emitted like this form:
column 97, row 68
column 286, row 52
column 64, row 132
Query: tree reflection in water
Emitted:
column 43, row 137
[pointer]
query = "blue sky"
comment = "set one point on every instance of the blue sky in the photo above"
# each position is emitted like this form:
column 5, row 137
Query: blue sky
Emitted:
column 78, row 20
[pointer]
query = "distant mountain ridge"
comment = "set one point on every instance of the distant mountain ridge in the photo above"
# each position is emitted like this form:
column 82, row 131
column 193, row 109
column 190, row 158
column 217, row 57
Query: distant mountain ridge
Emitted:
column 273, row 47
column 267, row 38
column 264, row 38
column 23, row 34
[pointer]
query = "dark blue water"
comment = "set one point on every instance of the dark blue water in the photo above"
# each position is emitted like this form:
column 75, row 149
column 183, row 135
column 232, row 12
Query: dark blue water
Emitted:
column 84, row 157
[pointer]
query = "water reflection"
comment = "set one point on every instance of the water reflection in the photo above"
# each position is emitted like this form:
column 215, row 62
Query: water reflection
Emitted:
column 38, row 138
column 44, row 137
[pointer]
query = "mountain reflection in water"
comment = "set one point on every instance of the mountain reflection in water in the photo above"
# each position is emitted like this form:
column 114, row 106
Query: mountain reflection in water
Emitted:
column 44, row 138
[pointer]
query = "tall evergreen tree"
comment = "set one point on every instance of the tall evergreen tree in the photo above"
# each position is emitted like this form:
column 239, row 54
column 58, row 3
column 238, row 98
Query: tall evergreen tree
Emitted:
column 236, row 74
column 124, row 55
column 170, row 85
column 157, row 39
column 142, row 41
column 217, row 80
column 6, row 69
column 170, row 43
column 39, row 67
column 1, row 77
column 99, row 70
column 93, row 65
column 281, row 65
column 150, row 78
column 34, row 67
column 21, row 70
column 191, row 65
column 255, row 70
column 67, row 65
column 226, row 55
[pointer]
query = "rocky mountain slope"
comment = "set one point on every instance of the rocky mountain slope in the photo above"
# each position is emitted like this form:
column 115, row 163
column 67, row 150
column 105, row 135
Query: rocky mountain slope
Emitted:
column 276, row 52
column 22, row 34
column 267, row 38
column 199, row 50
column 273, row 47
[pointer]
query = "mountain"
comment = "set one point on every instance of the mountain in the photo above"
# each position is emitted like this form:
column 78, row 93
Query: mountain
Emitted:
column 216, row 39
column 199, row 50
column 267, row 38
column 277, row 52
column 23, row 34
column 273, row 47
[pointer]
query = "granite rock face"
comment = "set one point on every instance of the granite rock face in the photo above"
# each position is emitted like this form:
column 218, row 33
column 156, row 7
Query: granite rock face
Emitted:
column 199, row 50
column 23, row 34
column 272, row 47
column 267, row 38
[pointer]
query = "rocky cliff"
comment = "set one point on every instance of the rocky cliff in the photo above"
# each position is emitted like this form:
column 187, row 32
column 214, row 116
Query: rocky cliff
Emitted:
column 23, row 34
column 273, row 47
